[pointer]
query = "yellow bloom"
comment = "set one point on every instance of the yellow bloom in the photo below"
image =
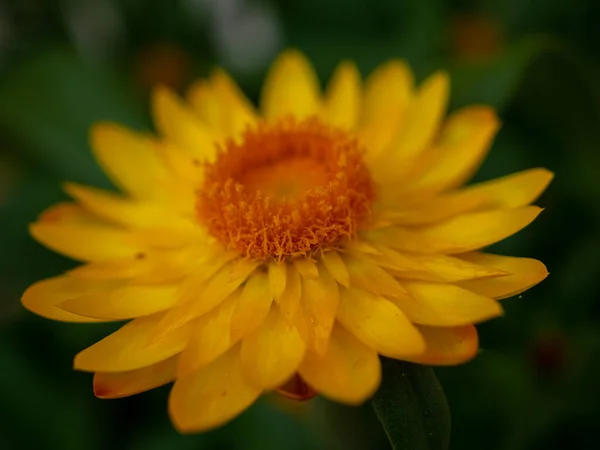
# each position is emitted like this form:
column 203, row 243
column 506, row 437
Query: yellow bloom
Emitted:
column 286, row 248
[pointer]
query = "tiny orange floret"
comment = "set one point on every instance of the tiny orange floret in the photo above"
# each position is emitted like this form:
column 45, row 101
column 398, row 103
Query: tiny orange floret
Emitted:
column 286, row 189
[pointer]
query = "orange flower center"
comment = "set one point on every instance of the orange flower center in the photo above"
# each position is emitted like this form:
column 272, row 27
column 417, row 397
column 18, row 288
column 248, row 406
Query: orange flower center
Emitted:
column 287, row 189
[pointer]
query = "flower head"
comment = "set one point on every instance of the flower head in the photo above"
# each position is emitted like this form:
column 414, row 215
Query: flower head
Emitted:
column 287, row 249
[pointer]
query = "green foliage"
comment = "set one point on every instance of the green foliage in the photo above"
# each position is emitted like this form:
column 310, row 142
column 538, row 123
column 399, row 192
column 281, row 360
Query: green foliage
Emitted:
column 412, row 407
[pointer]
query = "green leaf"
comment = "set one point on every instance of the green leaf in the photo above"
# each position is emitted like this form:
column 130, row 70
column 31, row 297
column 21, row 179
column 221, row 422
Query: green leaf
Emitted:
column 412, row 407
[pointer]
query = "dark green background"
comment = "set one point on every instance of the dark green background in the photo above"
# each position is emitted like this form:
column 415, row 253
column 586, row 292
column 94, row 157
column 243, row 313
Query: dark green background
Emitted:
column 65, row 64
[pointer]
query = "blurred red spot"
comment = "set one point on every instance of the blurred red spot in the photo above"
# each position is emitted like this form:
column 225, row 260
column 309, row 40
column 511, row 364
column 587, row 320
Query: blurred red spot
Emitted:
column 549, row 353
column 164, row 64
column 475, row 37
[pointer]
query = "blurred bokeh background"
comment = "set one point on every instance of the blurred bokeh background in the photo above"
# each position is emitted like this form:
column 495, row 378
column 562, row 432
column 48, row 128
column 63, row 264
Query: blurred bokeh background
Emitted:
column 67, row 63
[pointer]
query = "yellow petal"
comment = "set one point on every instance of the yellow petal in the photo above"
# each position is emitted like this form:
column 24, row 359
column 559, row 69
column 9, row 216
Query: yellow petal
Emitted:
column 306, row 267
column 129, row 159
column 194, row 304
column 207, row 104
column 392, row 260
column 42, row 297
column 343, row 98
column 124, row 303
column 86, row 242
column 180, row 124
column 128, row 348
column 512, row 191
column 320, row 298
column 464, row 142
column 210, row 338
column 253, row 306
column 447, row 268
column 124, row 211
column 240, row 114
column 379, row 323
column 212, row 396
column 67, row 213
column 349, row 372
column 336, row 266
column 461, row 234
column 150, row 267
column 433, row 210
column 277, row 278
column 524, row 273
column 271, row 355
column 289, row 300
column 423, row 117
column 188, row 171
column 388, row 91
column 369, row 276
column 291, row 88
column 447, row 346
column 445, row 305
column 124, row 384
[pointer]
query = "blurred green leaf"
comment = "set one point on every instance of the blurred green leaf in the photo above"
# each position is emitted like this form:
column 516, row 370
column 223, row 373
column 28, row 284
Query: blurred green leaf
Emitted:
column 412, row 407
column 495, row 82
column 36, row 411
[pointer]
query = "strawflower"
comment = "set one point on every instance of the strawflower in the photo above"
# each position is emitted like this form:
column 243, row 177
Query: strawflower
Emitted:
column 287, row 247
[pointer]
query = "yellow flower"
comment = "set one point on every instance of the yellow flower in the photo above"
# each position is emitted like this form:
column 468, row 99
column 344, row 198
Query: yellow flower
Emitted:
column 286, row 248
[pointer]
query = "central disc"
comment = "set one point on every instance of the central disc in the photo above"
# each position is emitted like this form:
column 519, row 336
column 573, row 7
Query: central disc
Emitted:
column 287, row 189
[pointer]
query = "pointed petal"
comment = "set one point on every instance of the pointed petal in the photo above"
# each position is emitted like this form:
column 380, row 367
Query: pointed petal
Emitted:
column 291, row 88
column 271, row 354
column 320, row 298
column 128, row 348
column 306, row 267
column 124, row 384
column 349, row 372
column 423, row 118
column 379, row 323
column 369, row 276
column 447, row 346
column 463, row 144
column 210, row 338
column 206, row 102
column 124, row 211
column 212, row 396
column 86, row 242
column 253, row 306
column 277, row 278
column 461, row 234
column 129, row 159
column 124, row 303
column 42, row 297
column 447, row 269
column 289, row 300
column 388, row 91
column 343, row 98
column 194, row 304
column 445, row 305
column 240, row 114
column 512, row 191
column 179, row 123
column 524, row 273
column 336, row 267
